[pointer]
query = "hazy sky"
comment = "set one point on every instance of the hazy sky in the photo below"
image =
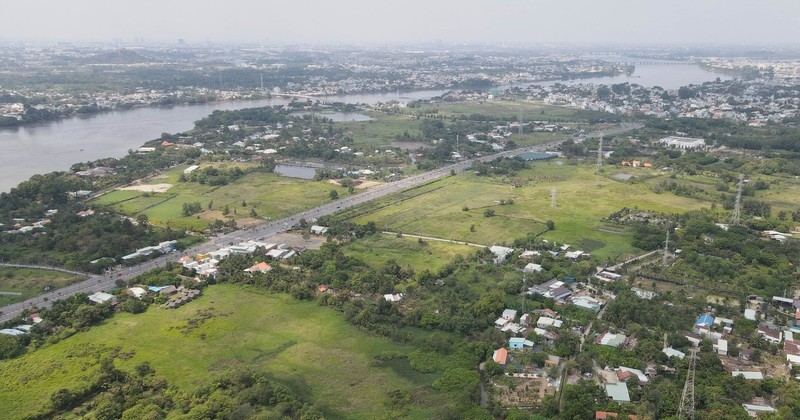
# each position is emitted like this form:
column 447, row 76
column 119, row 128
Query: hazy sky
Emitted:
column 406, row 21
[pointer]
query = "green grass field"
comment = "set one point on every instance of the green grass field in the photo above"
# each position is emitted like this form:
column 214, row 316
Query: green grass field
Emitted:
column 377, row 249
column 30, row 282
column 782, row 194
column 300, row 344
column 382, row 129
column 526, row 110
column 583, row 199
column 271, row 195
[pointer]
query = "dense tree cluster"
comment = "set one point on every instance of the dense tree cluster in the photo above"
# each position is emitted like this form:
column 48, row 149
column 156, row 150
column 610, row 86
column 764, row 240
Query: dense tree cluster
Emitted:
column 119, row 394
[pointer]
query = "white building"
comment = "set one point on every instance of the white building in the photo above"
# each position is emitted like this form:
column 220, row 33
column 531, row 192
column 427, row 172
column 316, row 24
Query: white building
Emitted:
column 684, row 143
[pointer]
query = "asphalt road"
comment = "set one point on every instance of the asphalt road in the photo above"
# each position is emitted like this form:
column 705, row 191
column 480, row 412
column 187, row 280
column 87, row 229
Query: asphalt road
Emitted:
column 96, row 283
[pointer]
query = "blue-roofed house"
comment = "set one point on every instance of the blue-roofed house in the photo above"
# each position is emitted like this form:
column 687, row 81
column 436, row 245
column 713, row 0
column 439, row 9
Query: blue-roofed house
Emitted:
column 516, row 343
column 704, row 320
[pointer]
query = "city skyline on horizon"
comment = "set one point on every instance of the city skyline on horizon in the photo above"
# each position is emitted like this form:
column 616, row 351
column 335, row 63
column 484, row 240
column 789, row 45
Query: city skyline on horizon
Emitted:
column 361, row 22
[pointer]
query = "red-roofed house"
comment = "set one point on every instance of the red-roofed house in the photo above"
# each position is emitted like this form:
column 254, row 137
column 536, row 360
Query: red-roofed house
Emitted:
column 261, row 267
column 500, row 356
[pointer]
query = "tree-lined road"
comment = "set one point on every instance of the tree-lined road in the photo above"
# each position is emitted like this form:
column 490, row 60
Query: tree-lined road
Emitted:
column 96, row 283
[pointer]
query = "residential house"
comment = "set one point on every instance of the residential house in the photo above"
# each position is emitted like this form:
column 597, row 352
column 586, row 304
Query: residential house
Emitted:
column 587, row 303
column 137, row 292
column 529, row 254
column 624, row 373
column 547, row 312
column 319, row 230
column 610, row 339
column 393, row 297
column 501, row 322
column 693, row 338
column 618, row 392
column 757, row 408
column 509, row 314
column 670, row 352
column 500, row 253
column 607, row 276
column 750, row 314
column 548, row 336
column 516, row 343
column 102, row 297
column 261, row 267
column 168, row 290
column 532, row 268
column 770, row 334
column 726, row 323
column 547, row 322
column 750, row 376
column 519, row 343
column 500, row 356
column 720, row 347
column 559, row 294
column 704, row 320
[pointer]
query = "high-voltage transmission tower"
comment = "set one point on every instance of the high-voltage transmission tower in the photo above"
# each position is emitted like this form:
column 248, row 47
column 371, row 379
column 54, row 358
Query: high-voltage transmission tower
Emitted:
column 600, row 155
column 553, row 198
column 686, row 409
column 737, row 210
column 666, row 248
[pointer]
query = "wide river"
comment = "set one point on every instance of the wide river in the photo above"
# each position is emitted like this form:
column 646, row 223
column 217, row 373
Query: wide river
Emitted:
column 55, row 146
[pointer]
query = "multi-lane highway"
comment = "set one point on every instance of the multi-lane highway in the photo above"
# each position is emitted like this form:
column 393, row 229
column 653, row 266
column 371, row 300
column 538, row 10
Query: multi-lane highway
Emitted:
column 96, row 283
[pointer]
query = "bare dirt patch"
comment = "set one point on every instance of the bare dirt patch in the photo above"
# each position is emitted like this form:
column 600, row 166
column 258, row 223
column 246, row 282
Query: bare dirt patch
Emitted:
column 294, row 239
column 368, row 184
column 152, row 188
column 361, row 184
column 211, row 215
column 248, row 222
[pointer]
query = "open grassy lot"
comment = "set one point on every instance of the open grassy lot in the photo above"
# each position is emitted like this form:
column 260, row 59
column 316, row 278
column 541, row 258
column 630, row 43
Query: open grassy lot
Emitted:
column 270, row 195
column 382, row 129
column 30, row 282
column 526, row 110
column 300, row 344
column 583, row 199
column 781, row 195
column 375, row 250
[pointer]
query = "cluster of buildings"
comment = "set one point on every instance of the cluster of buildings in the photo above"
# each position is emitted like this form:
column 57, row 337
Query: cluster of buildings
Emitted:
column 67, row 102
column 22, row 329
column 178, row 296
column 205, row 265
column 547, row 323
column 562, row 292
column 162, row 248
column 756, row 102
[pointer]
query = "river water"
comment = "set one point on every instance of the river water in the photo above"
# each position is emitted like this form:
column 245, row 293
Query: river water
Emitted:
column 55, row 146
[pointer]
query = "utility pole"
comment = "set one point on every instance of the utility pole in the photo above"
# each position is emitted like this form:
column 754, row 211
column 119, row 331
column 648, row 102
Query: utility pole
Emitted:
column 686, row 408
column 666, row 249
column 523, row 295
column 737, row 210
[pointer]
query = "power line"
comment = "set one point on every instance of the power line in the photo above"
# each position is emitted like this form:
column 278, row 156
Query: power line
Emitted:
column 737, row 210
column 600, row 155
column 686, row 409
